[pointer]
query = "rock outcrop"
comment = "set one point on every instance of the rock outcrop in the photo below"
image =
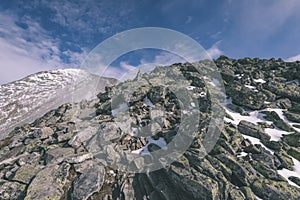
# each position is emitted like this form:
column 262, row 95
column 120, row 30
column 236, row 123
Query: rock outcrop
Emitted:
column 90, row 150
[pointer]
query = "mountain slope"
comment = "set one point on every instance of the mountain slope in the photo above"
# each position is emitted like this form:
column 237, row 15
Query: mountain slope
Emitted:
column 24, row 100
column 91, row 155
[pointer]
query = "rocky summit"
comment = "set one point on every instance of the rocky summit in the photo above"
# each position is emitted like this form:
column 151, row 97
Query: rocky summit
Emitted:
column 159, row 136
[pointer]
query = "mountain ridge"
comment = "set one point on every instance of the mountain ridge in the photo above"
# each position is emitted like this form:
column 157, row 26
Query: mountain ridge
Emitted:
column 44, row 91
column 257, row 155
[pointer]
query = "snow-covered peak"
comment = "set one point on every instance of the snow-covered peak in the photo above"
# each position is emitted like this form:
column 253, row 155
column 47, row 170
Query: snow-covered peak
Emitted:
column 24, row 100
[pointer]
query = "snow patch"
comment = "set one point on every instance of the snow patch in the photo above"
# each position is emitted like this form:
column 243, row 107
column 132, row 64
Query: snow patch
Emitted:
column 254, row 117
column 287, row 173
column 251, row 87
column 275, row 133
column 239, row 76
column 242, row 154
column 259, row 80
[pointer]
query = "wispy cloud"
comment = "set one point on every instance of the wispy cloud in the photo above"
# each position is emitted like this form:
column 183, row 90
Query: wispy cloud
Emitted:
column 264, row 18
column 28, row 49
column 90, row 18
column 214, row 51
column 216, row 35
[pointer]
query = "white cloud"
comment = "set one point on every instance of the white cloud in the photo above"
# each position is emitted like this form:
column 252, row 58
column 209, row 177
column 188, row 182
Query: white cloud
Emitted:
column 216, row 35
column 214, row 51
column 293, row 58
column 165, row 58
column 126, row 71
column 120, row 71
column 15, row 63
column 26, row 51
column 264, row 18
column 90, row 17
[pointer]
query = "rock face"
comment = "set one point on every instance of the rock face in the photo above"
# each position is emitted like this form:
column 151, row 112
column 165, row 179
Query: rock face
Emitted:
column 88, row 150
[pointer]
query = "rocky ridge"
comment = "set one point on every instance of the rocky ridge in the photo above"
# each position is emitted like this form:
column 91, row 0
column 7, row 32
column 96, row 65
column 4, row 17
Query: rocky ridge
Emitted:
column 24, row 100
column 71, row 152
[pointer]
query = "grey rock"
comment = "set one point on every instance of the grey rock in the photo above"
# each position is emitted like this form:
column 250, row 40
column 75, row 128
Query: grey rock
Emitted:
column 83, row 135
column 43, row 133
column 11, row 190
column 49, row 183
column 25, row 173
column 88, row 183
column 78, row 158
column 253, row 130
column 85, row 166
column 199, row 186
column 57, row 155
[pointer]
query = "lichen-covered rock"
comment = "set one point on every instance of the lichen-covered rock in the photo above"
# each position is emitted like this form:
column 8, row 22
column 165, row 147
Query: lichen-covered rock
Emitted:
column 89, row 182
column 57, row 155
column 25, row 173
column 197, row 185
column 278, row 122
column 253, row 130
column 292, row 116
column 294, row 152
column 12, row 190
column 49, row 183
column 292, row 139
column 249, row 195
column 285, row 160
column 267, row 189
column 246, row 97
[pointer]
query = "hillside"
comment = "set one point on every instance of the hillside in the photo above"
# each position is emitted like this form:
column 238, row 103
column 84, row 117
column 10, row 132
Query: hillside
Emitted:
column 150, row 138
column 25, row 100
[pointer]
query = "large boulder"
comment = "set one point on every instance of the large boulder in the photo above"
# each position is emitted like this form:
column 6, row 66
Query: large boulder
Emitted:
column 253, row 130
column 49, row 183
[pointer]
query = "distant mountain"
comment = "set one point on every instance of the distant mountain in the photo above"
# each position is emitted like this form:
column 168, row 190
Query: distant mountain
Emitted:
column 127, row 127
column 25, row 100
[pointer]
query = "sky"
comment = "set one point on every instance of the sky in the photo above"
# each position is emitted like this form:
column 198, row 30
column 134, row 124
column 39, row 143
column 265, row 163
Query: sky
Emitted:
column 40, row 35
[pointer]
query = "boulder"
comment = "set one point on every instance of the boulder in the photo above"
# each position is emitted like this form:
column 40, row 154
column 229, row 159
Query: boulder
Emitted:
column 253, row 130
column 49, row 183
column 88, row 183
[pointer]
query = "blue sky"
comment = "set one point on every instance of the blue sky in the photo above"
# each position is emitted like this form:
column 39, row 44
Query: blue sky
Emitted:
column 40, row 35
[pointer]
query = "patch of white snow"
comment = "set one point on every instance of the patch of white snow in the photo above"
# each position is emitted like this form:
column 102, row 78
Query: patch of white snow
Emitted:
column 259, row 80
